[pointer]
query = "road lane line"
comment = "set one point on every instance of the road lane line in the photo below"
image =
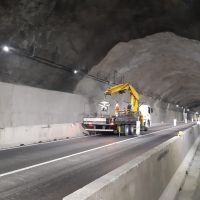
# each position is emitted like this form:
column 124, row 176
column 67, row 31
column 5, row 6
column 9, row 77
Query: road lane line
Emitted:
column 80, row 153
column 66, row 139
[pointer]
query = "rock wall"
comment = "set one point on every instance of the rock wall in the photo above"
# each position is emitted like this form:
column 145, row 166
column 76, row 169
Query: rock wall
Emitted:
column 79, row 33
column 157, row 68
column 162, row 111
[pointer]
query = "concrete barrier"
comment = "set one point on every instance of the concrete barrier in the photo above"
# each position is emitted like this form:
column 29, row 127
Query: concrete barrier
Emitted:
column 23, row 135
column 144, row 178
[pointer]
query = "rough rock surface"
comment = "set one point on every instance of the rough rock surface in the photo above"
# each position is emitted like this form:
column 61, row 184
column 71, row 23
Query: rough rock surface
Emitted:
column 79, row 33
column 162, row 65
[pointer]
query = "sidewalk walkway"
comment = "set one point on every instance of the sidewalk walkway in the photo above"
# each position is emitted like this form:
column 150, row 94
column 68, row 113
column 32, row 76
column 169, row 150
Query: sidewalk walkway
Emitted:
column 191, row 186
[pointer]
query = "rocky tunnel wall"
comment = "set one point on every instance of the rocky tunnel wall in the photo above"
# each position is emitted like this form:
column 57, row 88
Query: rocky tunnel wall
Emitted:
column 164, row 69
column 157, row 66
column 162, row 112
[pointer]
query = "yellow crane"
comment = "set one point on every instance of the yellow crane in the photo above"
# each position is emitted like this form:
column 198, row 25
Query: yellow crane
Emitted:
column 122, row 88
column 123, row 123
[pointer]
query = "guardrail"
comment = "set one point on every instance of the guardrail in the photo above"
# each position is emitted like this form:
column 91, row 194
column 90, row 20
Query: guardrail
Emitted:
column 147, row 176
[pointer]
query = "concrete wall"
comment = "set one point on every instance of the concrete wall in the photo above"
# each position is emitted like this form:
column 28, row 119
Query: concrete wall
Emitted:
column 23, row 135
column 24, row 106
column 143, row 178
column 30, row 115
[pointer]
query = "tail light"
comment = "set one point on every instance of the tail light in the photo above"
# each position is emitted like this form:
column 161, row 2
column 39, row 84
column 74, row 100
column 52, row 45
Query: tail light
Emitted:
column 90, row 124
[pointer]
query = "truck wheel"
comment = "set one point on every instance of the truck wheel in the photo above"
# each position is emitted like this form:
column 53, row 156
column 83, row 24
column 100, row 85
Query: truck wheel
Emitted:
column 126, row 129
column 132, row 129
column 149, row 124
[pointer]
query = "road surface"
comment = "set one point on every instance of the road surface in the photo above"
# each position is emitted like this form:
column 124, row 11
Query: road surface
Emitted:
column 53, row 170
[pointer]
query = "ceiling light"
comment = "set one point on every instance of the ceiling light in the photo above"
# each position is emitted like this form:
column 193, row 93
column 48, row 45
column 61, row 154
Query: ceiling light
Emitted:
column 6, row 48
column 75, row 71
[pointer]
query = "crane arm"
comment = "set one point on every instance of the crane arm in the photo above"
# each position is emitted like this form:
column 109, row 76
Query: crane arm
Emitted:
column 122, row 87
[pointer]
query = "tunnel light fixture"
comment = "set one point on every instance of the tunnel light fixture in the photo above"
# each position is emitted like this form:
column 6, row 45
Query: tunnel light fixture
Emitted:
column 6, row 48
column 75, row 71
column 49, row 63
column 177, row 106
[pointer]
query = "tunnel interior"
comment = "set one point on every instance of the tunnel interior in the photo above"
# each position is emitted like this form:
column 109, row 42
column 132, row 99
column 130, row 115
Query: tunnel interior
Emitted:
column 163, row 65
column 152, row 44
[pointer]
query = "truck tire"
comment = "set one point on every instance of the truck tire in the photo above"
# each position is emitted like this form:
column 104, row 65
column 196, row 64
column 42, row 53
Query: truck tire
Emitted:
column 132, row 129
column 126, row 130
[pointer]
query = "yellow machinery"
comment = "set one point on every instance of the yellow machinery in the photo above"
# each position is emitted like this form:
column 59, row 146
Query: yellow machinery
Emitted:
column 121, row 88
column 124, row 123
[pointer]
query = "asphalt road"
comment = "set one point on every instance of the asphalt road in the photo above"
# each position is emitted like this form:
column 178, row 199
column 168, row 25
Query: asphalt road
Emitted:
column 53, row 170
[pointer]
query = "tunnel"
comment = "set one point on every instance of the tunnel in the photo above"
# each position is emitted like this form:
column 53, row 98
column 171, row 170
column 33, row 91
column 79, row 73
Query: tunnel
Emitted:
column 58, row 59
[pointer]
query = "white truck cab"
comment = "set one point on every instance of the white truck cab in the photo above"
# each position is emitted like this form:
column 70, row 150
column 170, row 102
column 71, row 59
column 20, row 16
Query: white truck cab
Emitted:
column 146, row 111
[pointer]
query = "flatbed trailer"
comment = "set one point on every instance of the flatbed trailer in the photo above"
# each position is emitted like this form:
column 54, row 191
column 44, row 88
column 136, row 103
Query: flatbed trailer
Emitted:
column 122, row 124
column 99, row 124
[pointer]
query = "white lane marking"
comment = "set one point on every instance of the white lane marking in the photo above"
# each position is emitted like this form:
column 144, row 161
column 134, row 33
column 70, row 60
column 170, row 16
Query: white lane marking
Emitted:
column 80, row 153
column 67, row 139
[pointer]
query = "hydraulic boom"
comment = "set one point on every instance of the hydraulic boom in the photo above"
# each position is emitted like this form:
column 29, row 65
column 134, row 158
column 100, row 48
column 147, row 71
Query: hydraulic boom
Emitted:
column 122, row 88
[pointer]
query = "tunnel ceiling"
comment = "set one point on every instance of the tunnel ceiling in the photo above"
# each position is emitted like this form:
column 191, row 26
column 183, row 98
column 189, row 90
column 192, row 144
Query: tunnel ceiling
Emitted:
column 79, row 33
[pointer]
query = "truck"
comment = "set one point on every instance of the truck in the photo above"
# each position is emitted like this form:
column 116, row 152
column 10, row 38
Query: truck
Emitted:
column 124, row 121
column 146, row 111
